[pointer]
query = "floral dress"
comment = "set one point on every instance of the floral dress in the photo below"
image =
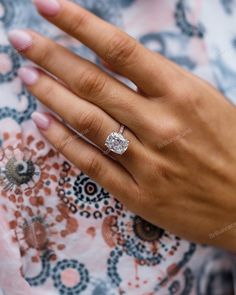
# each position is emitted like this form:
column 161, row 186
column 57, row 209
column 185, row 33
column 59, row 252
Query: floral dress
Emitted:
column 60, row 232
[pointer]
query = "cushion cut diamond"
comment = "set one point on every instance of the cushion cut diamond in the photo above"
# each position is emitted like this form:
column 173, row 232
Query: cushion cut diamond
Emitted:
column 116, row 143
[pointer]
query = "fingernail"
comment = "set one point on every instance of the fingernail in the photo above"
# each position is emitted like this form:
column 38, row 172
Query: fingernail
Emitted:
column 20, row 39
column 41, row 120
column 28, row 75
column 47, row 7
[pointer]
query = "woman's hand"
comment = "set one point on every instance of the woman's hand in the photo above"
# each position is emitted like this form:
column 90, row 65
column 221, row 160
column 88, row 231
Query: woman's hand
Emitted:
column 179, row 171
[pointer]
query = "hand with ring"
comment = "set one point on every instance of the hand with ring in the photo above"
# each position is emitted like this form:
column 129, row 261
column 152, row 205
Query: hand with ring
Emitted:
column 174, row 162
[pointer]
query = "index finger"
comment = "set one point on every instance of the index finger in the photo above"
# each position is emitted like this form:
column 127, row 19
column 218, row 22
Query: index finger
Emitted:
column 128, row 57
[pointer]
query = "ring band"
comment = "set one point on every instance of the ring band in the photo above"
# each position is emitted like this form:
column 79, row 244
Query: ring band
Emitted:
column 116, row 142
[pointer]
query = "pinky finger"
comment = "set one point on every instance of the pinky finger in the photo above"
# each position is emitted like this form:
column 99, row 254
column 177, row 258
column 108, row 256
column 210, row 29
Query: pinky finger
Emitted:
column 102, row 169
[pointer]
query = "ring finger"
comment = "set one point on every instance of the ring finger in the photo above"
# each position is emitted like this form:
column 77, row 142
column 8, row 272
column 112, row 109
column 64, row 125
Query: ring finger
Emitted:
column 86, row 118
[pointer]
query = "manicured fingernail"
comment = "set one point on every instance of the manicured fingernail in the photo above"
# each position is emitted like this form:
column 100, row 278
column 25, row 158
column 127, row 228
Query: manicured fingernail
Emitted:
column 20, row 39
column 41, row 120
column 28, row 75
column 47, row 7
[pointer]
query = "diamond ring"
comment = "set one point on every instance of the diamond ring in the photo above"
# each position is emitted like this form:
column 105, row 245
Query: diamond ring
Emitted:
column 116, row 142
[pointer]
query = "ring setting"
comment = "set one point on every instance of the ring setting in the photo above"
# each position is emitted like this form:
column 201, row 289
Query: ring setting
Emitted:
column 116, row 142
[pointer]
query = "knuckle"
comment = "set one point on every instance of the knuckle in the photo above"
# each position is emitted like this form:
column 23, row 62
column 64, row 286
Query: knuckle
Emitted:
column 91, row 83
column 182, row 90
column 181, row 95
column 120, row 50
column 93, row 167
column 62, row 141
column 196, row 101
column 190, row 99
column 89, row 123
column 181, row 83
column 44, row 55
column 47, row 91
column 77, row 22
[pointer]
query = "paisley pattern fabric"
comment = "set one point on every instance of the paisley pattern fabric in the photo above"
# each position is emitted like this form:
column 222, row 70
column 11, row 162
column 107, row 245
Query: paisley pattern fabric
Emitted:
column 60, row 232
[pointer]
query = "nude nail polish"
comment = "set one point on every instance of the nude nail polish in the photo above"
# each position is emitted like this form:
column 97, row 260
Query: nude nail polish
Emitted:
column 47, row 7
column 28, row 75
column 41, row 120
column 20, row 39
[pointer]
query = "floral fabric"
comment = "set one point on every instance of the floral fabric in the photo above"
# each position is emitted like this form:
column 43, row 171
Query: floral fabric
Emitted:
column 61, row 233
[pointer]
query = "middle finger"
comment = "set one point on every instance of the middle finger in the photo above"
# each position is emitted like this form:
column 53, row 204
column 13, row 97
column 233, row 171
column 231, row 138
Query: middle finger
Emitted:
column 85, row 118
column 83, row 77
